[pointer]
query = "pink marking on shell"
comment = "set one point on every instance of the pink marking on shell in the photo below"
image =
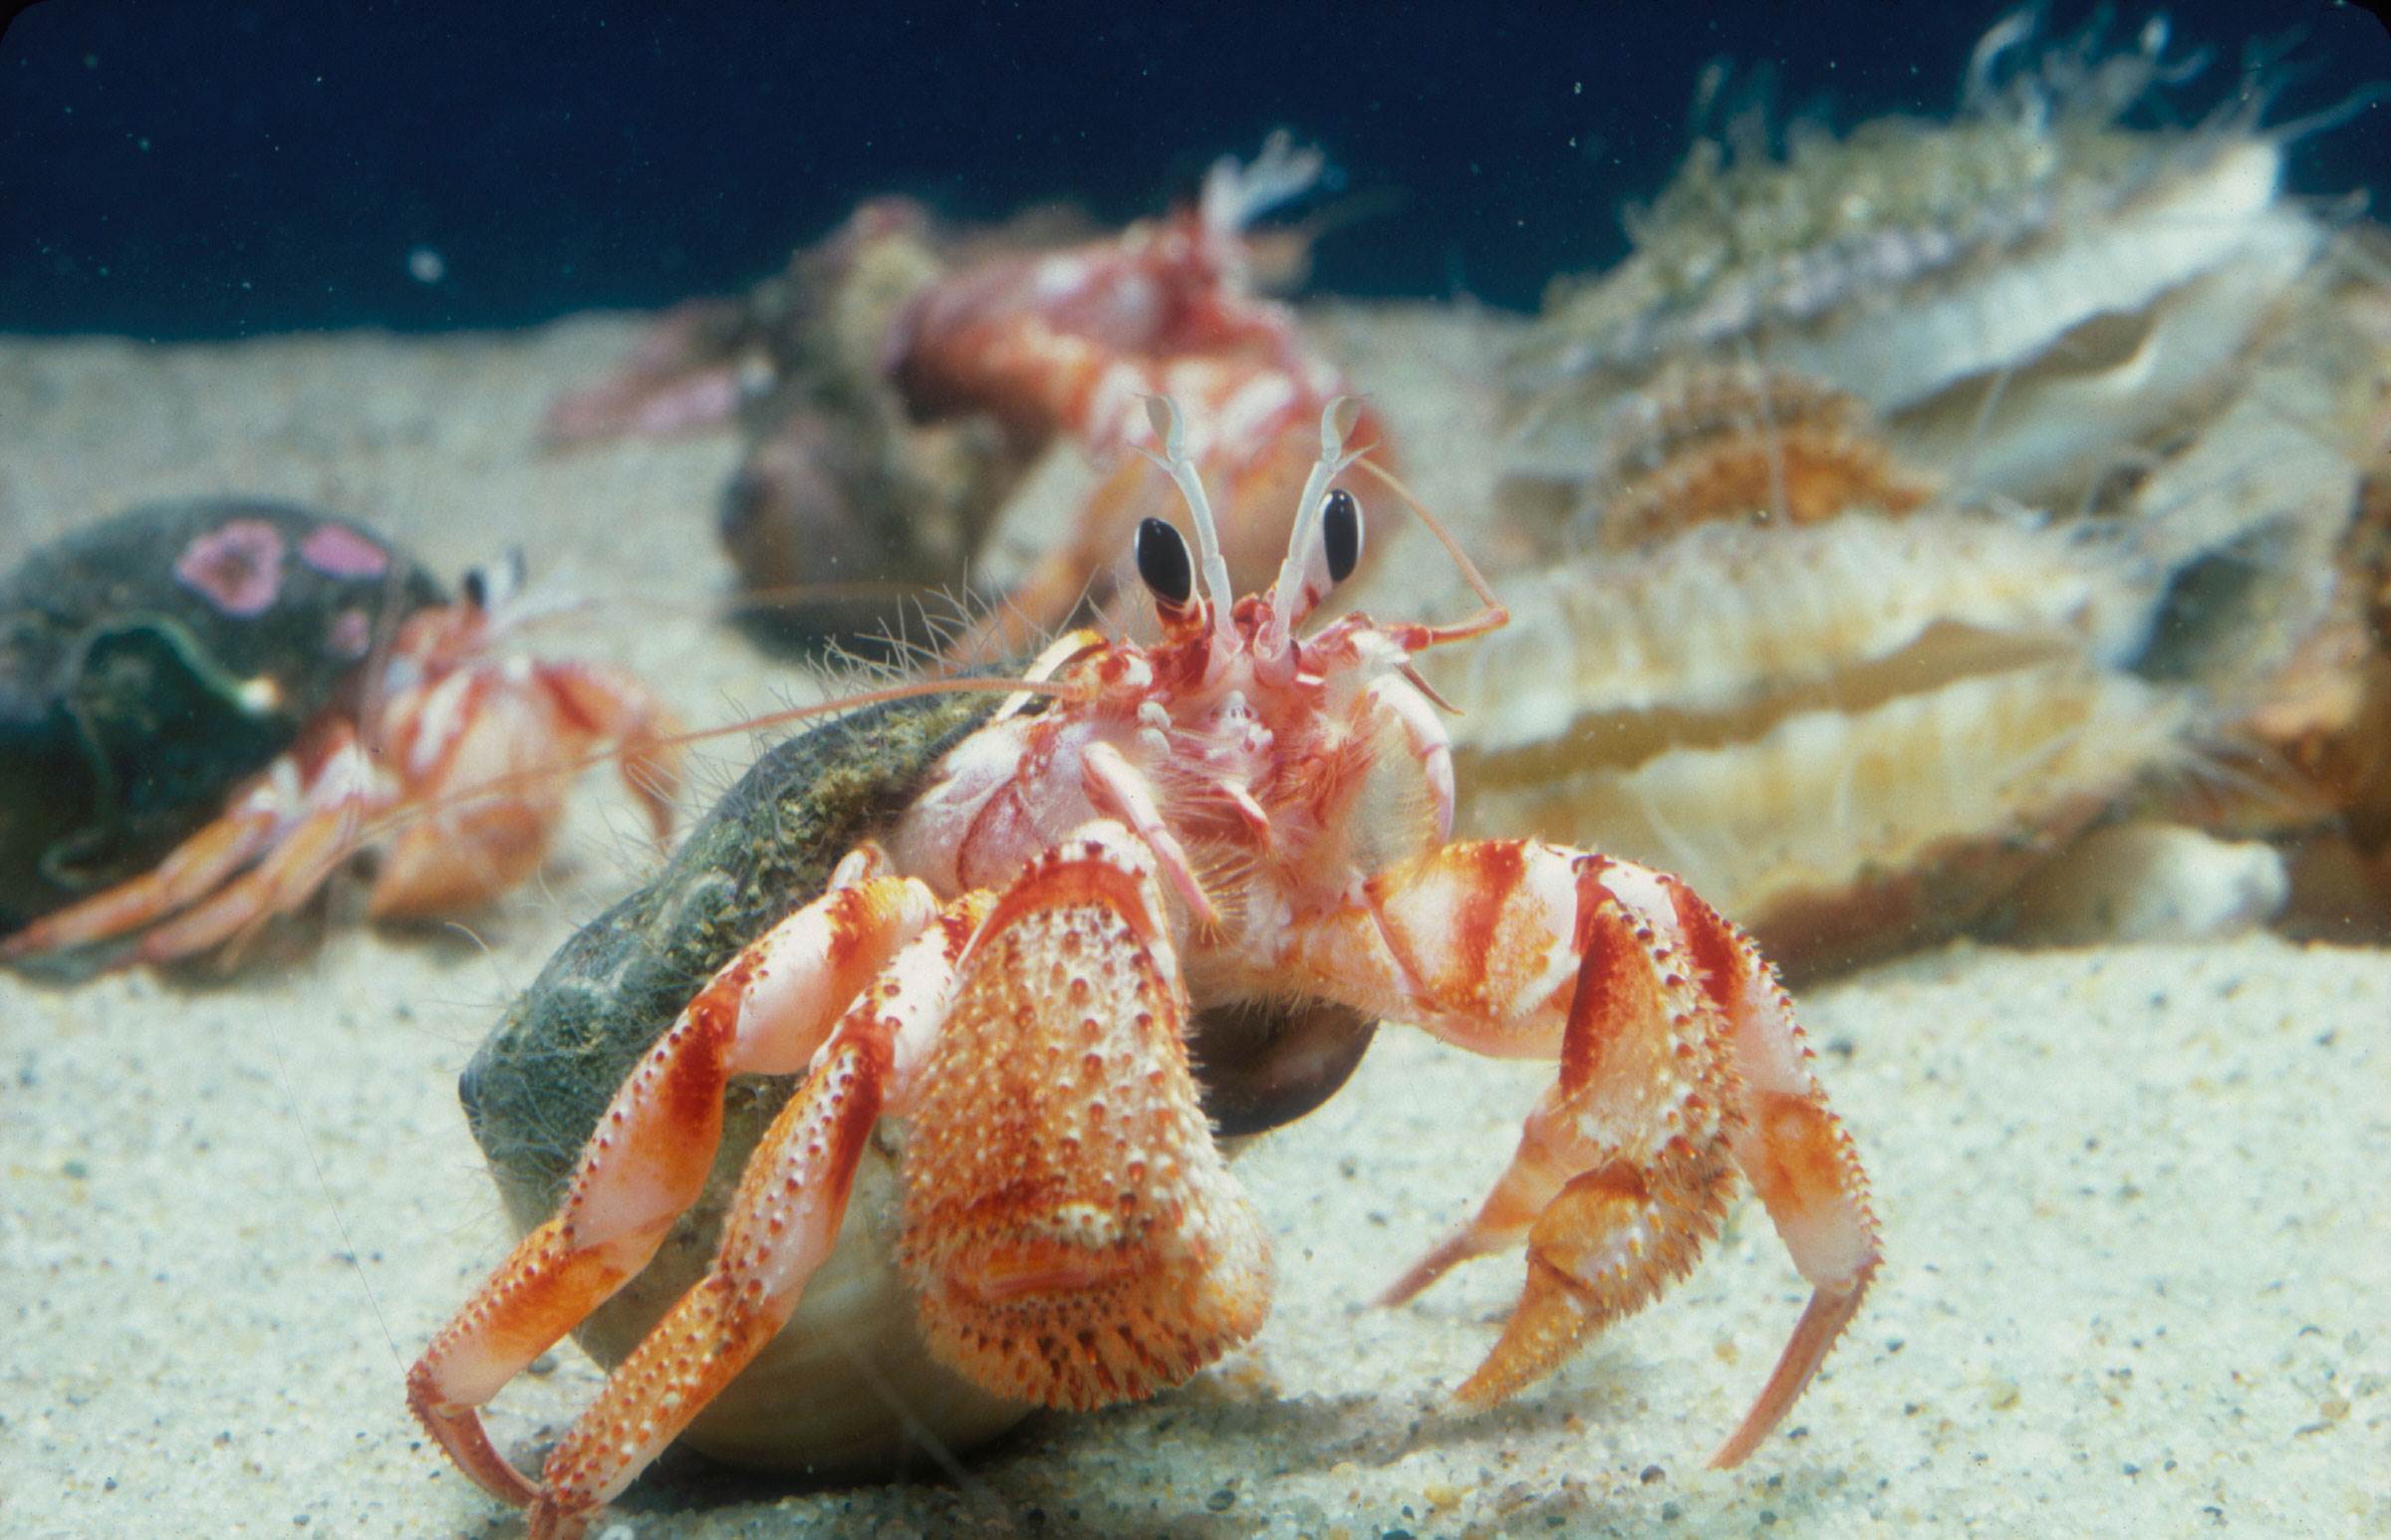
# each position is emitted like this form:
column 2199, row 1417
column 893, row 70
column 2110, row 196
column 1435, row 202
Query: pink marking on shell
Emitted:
column 237, row 567
column 338, row 550
column 350, row 634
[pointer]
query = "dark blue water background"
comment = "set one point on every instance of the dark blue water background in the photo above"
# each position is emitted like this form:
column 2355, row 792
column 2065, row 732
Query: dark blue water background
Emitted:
column 193, row 170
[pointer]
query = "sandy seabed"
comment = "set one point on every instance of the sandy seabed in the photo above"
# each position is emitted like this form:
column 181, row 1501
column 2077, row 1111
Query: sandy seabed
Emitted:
column 2136, row 1218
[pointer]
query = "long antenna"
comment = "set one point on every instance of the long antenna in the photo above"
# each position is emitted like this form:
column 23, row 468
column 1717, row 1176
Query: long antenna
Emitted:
column 499, row 785
column 1493, row 615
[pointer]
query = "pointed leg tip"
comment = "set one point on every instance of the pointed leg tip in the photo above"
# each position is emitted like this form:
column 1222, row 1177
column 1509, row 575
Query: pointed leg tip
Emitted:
column 1821, row 1323
column 1402, row 1290
column 462, row 1435
column 1478, row 1391
column 1440, row 1259
column 1736, row 1449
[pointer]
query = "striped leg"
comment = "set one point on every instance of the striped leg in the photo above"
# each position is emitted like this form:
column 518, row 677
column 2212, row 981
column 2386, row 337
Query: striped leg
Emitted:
column 781, row 1225
column 1679, row 1062
column 266, row 854
column 1793, row 1150
column 610, row 705
column 765, row 1012
column 487, row 756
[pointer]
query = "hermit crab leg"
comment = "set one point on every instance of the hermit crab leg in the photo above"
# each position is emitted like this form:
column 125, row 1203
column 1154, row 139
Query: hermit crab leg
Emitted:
column 190, row 871
column 1426, row 741
column 1117, row 788
column 781, row 1225
column 612, row 705
column 1792, row 1150
column 481, row 754
column 340, row 798
column 1679, row 1061
column 765, row 1012
column 1061, row 1183
column 303, row 823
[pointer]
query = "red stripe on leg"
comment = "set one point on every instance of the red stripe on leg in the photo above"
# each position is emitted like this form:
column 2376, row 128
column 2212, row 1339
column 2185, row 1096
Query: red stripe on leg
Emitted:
column 1615, row 990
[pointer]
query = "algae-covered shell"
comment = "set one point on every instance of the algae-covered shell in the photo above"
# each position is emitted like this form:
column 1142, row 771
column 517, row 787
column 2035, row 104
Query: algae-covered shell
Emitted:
column 152, row 661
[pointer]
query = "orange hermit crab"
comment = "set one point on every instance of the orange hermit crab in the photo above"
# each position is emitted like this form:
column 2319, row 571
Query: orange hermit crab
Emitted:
column 1140, row 835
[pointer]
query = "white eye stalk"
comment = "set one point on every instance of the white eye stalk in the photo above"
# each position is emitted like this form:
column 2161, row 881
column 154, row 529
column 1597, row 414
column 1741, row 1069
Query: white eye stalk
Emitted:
column 1294, row 585
column 1163, row 413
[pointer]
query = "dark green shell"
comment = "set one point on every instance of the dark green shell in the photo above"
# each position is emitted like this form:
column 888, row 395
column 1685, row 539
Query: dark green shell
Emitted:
column 133, row 698
column 537, row 1086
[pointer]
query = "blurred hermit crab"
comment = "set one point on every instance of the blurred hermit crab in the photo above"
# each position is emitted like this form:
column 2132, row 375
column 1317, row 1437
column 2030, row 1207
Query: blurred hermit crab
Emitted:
column 999, row 947
column 898, row 382
column 207, row 706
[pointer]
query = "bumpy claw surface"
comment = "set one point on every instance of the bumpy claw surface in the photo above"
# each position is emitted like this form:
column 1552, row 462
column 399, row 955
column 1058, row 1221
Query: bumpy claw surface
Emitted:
column 1074, row 1236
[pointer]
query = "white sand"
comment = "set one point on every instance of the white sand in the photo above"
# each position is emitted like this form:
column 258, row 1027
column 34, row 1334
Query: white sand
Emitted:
column 2135, row 1201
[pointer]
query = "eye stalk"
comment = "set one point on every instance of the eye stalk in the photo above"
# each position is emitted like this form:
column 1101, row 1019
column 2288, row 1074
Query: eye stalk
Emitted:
column 1309, row 570
column 492, row 584
column 1340, row 533
column 1163, row 565
column 1162, row 415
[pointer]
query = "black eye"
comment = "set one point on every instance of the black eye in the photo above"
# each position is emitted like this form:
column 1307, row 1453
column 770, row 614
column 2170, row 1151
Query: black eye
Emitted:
column 494, row 582
column 1162, row 563
column 1341, row 532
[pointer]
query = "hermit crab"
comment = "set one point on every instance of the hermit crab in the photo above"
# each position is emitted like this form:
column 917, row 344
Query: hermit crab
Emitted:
column 207, row 706
column 899, row 380
column 1035, row 903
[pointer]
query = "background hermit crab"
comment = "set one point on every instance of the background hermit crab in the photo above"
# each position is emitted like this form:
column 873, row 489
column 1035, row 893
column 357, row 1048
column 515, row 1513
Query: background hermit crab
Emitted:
column 206, row 707
column 899, row 382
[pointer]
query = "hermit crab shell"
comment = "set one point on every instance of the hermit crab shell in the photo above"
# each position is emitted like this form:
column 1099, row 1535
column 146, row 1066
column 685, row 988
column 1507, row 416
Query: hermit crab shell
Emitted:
column 151, row 662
